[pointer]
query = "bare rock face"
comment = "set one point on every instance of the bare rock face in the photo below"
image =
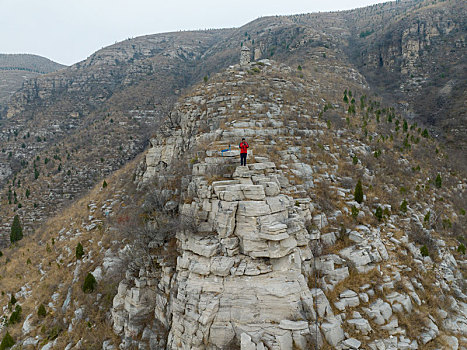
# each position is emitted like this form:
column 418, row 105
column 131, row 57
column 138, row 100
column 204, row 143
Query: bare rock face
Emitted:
column 242, row 274
column 160, row 155
column 245, row 56
column 239, row 279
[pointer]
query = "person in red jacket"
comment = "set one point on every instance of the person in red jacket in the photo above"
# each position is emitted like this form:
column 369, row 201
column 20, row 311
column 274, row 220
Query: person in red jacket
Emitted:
column 243, row 151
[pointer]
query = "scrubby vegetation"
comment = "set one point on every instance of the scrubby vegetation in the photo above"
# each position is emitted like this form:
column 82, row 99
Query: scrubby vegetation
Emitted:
column 7, row 341
column 89, row 283
column 16, row 232
column 79, row 251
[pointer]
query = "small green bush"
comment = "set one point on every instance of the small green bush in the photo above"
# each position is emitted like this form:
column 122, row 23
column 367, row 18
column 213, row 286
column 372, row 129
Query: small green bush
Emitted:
column 355, row 160
column 15, row 315
column 355, row 211
column 358, row 194
column 405, row 126
column 89, row 283
column 379, row 213
column 7, row 341
column 424, row 251
column 41, row 312
column 427, row 217
column 255, row 70
column 79, row 251
column 13, row 299
column 438, row 181
column 404, row 206
column 461, row 248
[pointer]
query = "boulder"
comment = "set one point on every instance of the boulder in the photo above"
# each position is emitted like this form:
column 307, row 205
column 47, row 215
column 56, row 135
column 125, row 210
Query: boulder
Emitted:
column 333, row 332
column 361, row 325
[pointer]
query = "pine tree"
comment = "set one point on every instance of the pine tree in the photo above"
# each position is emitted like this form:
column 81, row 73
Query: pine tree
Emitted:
column 16, row 315
column 89, row 283
column 424, row 251
column 41, row 312
column 358, row 192
column 16, row 230
column 79, row 251
column 438, row 181
column 379, row 213
column 403, row 206
column 7, row 342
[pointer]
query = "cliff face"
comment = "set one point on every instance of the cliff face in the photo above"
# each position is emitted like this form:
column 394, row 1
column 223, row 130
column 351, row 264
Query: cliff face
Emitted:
column 418, row 55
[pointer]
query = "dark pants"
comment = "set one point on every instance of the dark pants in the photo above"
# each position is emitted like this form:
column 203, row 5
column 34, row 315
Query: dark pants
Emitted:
column 243, row 158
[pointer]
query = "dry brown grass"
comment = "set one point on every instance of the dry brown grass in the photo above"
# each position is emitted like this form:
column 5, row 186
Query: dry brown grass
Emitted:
column 47, row 250
column 355, row 281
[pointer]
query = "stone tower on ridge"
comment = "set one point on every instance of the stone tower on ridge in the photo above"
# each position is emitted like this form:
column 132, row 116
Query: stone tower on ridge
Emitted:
column 245, row 56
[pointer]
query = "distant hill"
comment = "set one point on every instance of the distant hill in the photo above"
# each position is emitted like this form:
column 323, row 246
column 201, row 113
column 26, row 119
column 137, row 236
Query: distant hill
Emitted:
column 16, row 68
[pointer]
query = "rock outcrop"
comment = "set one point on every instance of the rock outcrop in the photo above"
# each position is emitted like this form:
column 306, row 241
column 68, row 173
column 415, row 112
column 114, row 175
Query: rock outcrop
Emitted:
column 250, row 270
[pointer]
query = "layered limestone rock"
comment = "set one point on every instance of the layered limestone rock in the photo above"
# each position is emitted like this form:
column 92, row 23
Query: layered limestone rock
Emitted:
column 240, row 276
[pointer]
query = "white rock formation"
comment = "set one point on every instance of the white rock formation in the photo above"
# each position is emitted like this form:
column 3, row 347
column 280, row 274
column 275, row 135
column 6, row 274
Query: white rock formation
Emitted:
column 245, row 56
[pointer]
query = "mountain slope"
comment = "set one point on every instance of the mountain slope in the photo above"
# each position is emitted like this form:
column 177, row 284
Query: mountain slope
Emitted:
column 413, row 53
column 67, row 130
column 190, row 250
column 15, row 69
column 123, row 86
column 417, row 55
column 204, row 238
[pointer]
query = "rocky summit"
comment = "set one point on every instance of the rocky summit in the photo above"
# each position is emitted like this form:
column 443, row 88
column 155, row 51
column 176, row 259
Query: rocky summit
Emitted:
column 131, row 224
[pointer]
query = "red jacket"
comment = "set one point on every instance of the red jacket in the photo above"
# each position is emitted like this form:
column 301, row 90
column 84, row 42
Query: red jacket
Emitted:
column 243, row 147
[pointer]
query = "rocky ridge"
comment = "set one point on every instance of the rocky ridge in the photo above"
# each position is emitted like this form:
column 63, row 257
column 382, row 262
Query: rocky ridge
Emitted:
column 248, row 277
column 385, row 273
column 273, row 255
column 133, row 85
